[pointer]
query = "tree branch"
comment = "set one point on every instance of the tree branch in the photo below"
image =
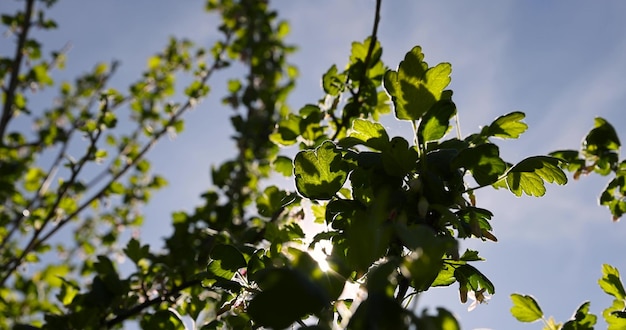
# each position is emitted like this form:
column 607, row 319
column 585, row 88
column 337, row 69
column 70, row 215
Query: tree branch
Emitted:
column 124, row 315
column 373, row 39
column 7, row 111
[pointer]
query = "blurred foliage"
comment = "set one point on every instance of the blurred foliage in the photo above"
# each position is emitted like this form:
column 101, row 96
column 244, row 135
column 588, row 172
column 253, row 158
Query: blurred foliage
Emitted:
column 395, row 210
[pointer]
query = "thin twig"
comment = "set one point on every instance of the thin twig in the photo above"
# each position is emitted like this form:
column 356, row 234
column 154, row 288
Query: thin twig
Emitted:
column 373, row 39
column 124, row 315
column 7, row 111
column 37, row 241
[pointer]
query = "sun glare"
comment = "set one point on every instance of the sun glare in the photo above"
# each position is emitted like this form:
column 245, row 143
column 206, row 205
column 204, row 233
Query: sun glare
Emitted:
column 320, row 253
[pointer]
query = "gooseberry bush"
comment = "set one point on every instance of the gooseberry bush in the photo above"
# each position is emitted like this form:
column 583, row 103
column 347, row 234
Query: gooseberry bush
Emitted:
column 394, row 209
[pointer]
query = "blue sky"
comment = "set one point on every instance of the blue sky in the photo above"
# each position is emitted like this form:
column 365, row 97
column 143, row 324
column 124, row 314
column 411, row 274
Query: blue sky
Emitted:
column 562, row 63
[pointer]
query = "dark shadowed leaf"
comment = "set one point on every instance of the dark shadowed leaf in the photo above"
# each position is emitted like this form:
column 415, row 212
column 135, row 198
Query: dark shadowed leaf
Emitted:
column 287, row 296
column 601, row 138
column 483, row 161
column 226, row 261
column 583, row 320
column 436, row 121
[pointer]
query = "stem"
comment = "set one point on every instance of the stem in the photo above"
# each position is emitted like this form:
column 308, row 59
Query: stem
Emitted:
column 126, row 314
column 7, row 111
column 373, row 39
column 36, row 240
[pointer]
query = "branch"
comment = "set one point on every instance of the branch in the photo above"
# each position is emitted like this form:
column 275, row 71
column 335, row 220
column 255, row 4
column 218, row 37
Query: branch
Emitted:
column 36, row 241
column 124, row 315
column 373, row 39
column 7, row 111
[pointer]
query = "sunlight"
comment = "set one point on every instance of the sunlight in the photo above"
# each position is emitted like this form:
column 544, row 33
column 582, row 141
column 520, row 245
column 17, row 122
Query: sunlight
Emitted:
column 320, row 253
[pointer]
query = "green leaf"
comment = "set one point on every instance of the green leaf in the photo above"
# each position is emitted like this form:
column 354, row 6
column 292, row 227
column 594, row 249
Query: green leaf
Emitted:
column 471, row 255
column 330, row 282
column 399, row 159
column 135, row 251
column 611, row 283
column 33, row 179
column 614, row 196
column 287, row 296
column 509, row 126
column 601, row 138
column 612, row 316
column 415, row 87
column 379, row 311
column 483, row 161
column 320, row 173
column 525, row 308
column 571, row 159
column 273, row 200
column 443, row 320
column 445, row 276
column 582, row 320
column 227, row 260
column 528, row 176
column 473, row 279
column 366, row 133
column 287, row 131
column 436, row 121
column 163, row 319
column 332, row 82
column 284, row 166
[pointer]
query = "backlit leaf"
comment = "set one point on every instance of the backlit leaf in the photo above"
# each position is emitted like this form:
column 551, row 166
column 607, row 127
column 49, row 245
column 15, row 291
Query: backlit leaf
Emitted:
column 283, row 165
column 320, row 173
column 366, row 133
column 333, row 82
column 611, row 282
column 508, row 126
column 415, row 87
column 525, row 308
column 612, row 316
column 528, row 176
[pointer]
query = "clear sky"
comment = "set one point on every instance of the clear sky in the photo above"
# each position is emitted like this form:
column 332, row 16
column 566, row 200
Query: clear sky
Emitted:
column 561, row 62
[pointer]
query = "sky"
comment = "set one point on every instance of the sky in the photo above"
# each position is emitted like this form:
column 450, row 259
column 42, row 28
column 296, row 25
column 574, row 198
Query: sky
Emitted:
column 560, row 62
